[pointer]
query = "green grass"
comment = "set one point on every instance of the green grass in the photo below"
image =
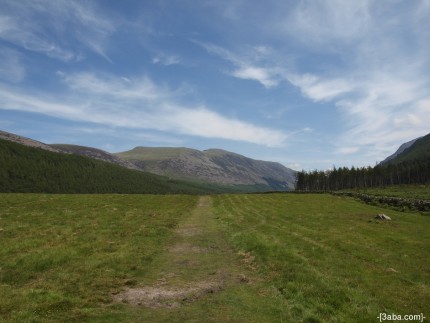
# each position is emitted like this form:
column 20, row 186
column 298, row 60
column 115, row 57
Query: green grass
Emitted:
column 306, row 258
column 328, row 258
column 61, row 256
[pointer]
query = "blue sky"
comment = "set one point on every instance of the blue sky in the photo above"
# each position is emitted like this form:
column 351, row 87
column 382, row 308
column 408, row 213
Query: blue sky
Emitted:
column 310, row 84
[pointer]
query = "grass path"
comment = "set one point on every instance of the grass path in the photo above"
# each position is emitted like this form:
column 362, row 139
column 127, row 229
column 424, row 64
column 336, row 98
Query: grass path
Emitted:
column 197, row 266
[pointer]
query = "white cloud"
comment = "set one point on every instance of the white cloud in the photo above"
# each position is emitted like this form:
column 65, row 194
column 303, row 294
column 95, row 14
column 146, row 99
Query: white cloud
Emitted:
column 207, row 123
column 250, row 65
column 318, row 89
column 257, row 74
column 136, row 104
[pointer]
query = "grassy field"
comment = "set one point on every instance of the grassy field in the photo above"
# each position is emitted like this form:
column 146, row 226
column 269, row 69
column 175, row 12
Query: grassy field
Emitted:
column 230, row 258
column 328, row 259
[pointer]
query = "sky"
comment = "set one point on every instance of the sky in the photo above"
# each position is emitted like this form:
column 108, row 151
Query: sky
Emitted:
column 309, row 84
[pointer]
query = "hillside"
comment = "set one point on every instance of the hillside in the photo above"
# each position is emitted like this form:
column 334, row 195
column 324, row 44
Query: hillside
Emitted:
column 418, row 150
column 213, row 166
column 29, row 169
column 401, row 149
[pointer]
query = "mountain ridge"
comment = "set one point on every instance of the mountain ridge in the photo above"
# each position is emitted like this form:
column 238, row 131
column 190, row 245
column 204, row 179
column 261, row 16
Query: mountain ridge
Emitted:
column 212, row 165
column 400, row 150
column 417, row 149
column 25, row 141
column 93, row 153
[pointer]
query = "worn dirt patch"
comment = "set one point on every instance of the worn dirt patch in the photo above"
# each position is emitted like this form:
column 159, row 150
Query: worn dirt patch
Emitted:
column 248, row 259
column 187, row 248
column 164, row 296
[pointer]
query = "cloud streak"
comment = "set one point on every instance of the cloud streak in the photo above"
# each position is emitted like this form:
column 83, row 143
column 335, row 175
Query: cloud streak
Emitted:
column 166, row 60
column 139, row 104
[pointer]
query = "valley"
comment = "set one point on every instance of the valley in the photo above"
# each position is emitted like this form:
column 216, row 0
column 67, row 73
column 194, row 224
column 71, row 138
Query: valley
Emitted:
column 167, row 234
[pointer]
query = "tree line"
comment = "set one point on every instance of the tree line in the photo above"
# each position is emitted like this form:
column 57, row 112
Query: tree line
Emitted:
column 407, row 172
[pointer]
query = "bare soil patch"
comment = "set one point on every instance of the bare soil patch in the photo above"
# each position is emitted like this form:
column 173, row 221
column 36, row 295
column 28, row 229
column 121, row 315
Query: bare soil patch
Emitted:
column 168, row 296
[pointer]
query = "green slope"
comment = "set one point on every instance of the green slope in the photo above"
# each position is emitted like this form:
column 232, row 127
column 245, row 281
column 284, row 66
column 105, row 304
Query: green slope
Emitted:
column 27, row 169
column 420, row 150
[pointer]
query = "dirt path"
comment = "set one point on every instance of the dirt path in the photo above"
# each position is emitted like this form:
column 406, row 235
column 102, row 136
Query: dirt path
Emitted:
column 199, row 262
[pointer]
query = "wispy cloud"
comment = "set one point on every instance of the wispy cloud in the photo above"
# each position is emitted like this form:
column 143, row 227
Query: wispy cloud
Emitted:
column 136, row 104
column 166, row 60
column 249, row 65
column 117, row 87
column 47, row 27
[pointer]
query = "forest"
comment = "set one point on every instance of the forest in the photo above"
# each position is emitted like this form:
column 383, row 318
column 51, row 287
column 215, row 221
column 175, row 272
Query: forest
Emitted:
column 406, row 172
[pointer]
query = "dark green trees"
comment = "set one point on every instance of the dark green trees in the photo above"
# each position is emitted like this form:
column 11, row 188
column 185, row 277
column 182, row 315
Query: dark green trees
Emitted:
column 407, row 172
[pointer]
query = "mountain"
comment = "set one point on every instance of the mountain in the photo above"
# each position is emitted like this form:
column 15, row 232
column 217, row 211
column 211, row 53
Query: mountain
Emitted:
column 28, row 165
column 417, row 151
column 25, row 168
column 93, row 153
column 401, row 149
column 213, row 166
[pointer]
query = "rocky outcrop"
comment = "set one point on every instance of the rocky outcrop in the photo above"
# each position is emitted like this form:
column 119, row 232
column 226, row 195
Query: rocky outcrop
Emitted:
column 382, row 217
column 414, row 204
column 25, row 141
